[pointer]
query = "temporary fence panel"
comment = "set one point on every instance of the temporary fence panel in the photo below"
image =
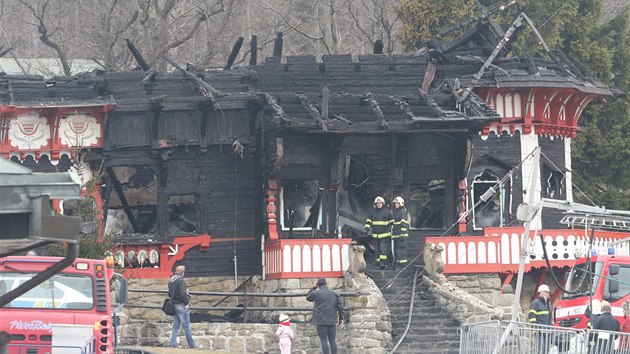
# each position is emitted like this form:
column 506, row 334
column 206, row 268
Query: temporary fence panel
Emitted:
column 508, row 337
column 605, row 342
column 479, row 337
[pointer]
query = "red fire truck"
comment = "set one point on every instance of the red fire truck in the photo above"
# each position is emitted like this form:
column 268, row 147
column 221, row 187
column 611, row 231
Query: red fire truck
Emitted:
column 601, row 277
column 71, row 312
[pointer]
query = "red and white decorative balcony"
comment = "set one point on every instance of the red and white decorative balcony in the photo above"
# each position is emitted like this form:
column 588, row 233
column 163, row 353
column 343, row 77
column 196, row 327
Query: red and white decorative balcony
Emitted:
column 499, row 250
column 305, row 258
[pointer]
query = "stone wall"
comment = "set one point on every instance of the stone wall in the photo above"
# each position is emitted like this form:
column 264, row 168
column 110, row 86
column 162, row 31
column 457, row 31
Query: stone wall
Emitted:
column 469, row 298
column 367, row 329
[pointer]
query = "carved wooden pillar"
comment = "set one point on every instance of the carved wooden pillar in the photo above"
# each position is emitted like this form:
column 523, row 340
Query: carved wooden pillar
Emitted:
column 270, row 213
column 463, row 221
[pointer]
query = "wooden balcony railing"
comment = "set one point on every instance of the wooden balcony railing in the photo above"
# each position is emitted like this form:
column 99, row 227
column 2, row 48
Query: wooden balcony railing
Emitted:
column 499, row 250
column 305, row 258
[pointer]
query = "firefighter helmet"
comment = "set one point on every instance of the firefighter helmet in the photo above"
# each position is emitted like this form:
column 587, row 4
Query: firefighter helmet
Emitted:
column 399, row 200
column 379, row 199
column 542, row 288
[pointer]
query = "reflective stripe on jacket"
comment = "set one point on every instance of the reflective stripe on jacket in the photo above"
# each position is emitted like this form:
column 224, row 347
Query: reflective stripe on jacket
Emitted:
column 539, row 312
column 401, row 222
column 380, row 222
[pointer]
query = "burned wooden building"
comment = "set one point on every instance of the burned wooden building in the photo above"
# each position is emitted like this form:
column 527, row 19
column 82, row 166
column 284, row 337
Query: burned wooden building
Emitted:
column 270, row 169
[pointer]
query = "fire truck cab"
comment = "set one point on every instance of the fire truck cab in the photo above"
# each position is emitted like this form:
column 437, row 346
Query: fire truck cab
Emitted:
column 82, row 298
column 602, row 277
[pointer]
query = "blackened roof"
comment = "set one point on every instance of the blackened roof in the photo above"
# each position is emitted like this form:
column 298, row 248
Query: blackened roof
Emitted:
column 372, row 93
column 464, row 56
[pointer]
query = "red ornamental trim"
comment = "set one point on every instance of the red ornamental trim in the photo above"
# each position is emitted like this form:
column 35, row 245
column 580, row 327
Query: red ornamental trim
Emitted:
column 169, row 255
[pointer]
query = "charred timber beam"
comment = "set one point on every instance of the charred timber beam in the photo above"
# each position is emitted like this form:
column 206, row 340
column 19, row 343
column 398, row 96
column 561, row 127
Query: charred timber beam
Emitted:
column 279, row 112
column 204, row 107
column 431, row 103
column 123, row 199
column 369, row 98
column 404, row 106
column 149, row 75
column 378, row 47
column 206, row 89
column 4, row 52
column 234, row 53
column 277, row 45
column 421, row 124
column 325, row 99
column 312, row 111
column 148, row 81
column 342, row 119
column 107, row 193
column 155, row 107
column 429, row 75
column 253, row 50
column 136, row 54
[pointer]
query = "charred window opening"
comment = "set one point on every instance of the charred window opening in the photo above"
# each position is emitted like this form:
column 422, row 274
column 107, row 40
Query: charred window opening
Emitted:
column 427, row 204
column 489, row 200
column 183, row 214
column 553, row 183
column 300, row 202
column 139, row 192
column 365, row 176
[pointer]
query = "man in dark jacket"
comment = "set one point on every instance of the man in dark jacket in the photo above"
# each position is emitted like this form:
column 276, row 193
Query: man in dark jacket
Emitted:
column 540, row 314
column 327, row 313
column 380, row 222
column 605, row 322
column 177, row 291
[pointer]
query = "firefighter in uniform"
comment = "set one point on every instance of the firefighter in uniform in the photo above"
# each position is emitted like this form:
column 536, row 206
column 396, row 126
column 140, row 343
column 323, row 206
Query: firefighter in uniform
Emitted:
column 540, row 314
column 400, row 231
column 379, row 222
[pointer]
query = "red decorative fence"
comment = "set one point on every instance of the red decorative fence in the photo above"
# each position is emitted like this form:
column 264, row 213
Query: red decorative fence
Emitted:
column 499, row 250
column 305, row 258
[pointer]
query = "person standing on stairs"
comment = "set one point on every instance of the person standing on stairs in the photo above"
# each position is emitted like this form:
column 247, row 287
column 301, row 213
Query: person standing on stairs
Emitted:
column 400, row 231
column 327, row 314
column 379, row 223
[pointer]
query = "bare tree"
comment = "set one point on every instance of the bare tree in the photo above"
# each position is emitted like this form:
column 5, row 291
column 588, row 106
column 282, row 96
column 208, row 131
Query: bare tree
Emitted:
column 168, row 24
column 200, row 32
column 101, row 39
column 373, row 20
column 47, row 28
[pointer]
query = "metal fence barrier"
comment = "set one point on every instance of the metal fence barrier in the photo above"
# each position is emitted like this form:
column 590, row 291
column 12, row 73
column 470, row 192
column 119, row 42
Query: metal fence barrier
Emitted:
column 507, row 337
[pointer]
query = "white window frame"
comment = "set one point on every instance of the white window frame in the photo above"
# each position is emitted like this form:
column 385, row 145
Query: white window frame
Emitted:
column 286, row 228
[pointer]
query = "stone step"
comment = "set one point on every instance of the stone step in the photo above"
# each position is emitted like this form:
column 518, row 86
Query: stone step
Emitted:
column 432, row 329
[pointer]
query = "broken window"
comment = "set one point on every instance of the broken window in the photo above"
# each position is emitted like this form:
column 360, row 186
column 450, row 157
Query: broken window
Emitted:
column 490, row 200
column 183, row 214
column 138, row 185
column 300, row 202
column 552, row 182
column 427, row 204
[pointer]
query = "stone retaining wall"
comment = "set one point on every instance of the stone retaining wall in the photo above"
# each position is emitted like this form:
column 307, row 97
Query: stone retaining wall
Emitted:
column 469, row 298
column 367, row 329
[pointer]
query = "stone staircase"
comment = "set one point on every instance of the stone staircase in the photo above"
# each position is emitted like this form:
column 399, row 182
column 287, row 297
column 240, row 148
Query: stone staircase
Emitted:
column 432, row 330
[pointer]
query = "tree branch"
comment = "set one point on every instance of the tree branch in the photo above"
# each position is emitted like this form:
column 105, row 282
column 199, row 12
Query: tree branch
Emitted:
column 44, row 35
column 202, row 18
